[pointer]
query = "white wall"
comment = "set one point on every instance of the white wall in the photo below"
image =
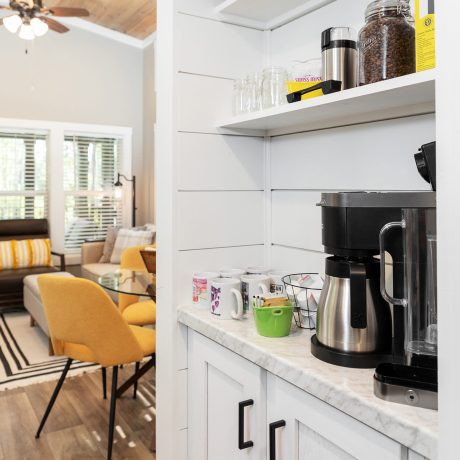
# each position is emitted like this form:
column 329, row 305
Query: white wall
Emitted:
column 76, row 77
column 220, row 182
column 148, row 133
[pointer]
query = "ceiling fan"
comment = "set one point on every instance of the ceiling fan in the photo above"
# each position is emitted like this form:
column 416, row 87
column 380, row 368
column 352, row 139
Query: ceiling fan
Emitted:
column 33, row 19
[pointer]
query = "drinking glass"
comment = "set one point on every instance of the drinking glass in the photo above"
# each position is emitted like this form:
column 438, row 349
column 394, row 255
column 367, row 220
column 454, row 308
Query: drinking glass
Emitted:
column 254, row 83
column 274, row 87
column 238, row 97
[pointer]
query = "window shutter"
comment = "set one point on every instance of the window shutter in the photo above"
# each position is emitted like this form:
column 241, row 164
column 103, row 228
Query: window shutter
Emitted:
column 23, row 175
column 91, row 164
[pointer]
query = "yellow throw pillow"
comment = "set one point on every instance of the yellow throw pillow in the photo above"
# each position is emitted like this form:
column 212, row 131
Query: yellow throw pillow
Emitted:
column 6, row 255
column 25, row 254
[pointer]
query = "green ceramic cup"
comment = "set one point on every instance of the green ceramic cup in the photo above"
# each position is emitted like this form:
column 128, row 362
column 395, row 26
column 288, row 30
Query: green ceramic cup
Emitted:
column 273, row 321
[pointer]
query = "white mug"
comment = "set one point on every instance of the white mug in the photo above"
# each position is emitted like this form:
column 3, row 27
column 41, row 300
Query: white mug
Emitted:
column 235, row 273
column 258, row 270
column 226, row 300
column 276, row 282
column 253, row 285
column 202, row 289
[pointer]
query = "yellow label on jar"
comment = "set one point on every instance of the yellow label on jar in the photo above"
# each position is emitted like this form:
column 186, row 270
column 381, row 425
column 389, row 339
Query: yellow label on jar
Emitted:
column 425, row 34
column 294, row 86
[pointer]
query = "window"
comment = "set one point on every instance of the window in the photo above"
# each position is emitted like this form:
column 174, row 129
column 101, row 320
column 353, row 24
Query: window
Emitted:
column 65, row 172
column 91, row 164
column 23, row 175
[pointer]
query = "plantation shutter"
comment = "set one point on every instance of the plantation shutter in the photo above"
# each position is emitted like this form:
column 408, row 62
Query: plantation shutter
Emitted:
column 91, row 164
column 23, row 175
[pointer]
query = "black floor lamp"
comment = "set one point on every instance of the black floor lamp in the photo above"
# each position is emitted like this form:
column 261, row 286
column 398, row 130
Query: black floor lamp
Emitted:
column 118, row 186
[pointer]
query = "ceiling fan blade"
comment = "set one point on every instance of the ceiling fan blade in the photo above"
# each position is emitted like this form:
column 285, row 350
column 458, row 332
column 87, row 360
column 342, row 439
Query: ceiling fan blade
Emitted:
column 63, row 11
column 54, row 25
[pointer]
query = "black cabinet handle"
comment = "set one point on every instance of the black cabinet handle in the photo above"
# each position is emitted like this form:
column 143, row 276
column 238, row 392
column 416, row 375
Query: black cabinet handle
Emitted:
column 242, row 444
column 273, row 427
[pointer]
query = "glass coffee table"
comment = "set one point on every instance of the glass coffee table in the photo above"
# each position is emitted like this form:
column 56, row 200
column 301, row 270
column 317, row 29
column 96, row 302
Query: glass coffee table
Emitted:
column 137, row 283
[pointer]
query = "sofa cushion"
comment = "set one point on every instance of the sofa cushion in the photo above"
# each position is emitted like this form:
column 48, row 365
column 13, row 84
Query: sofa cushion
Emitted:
column 12, row 280
column 109, row 244
column 94, row 271
column 23, row 229
column 31, row 281
column 127, row 238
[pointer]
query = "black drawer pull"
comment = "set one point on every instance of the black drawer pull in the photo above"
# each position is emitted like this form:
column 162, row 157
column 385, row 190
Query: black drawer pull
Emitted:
column 242, row 444
column 273, row 427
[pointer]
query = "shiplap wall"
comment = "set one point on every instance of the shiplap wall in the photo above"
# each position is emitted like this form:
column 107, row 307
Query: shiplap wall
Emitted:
column 220, row 178
column 372, row 156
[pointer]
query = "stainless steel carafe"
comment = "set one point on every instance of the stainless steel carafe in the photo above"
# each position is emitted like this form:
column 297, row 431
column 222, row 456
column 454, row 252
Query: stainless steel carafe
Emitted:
column 352, row 315
column 340, row 56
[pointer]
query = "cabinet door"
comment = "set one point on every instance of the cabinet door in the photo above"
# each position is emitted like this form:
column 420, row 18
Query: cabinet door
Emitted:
column 219, row 380
column 314, row 430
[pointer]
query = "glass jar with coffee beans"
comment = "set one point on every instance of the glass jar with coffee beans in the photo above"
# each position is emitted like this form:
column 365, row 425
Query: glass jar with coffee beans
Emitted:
column 386, row 42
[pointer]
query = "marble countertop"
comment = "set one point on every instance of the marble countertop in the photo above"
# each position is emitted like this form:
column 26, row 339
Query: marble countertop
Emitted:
column 350, row 390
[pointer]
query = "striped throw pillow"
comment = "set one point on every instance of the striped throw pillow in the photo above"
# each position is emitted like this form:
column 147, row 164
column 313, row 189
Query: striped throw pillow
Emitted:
column 25, row 254
column 6, row 255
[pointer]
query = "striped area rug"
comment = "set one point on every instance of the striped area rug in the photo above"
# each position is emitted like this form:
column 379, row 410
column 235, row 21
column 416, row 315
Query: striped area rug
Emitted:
column 24, row 357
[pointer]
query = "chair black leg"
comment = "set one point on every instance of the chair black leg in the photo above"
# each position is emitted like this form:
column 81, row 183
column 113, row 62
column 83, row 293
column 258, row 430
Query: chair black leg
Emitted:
column 54, row 396
column 113, row 405
column 104, row 382
column 135, row 385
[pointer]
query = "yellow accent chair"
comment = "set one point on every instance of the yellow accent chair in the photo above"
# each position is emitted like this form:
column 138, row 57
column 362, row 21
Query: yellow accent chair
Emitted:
column 134, row 312
column 85, row 325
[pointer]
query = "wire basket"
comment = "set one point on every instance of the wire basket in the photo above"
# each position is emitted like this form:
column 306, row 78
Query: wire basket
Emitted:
column 303, row 290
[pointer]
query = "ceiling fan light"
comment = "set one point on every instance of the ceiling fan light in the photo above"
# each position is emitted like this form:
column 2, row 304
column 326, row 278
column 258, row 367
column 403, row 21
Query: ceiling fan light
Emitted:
column 26, row 32
column 39, row 27
column 12, row 23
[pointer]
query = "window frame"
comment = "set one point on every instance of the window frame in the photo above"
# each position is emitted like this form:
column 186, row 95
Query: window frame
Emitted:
column 56, row 132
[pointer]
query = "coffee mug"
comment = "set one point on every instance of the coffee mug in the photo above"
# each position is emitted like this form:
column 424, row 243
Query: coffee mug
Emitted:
column 276, row 282
column 202, row 289
column 235, row 273
column 258, row 270
column 226, row 300
column 253, row 285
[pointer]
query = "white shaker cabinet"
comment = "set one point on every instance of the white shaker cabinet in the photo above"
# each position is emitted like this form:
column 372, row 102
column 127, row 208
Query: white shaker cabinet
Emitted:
column 310, row 429
column 226, row 403
column 280, row 421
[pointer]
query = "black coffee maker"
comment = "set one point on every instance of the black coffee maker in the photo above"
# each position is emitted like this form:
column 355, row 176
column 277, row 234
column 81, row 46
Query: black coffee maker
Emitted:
column 354, row 321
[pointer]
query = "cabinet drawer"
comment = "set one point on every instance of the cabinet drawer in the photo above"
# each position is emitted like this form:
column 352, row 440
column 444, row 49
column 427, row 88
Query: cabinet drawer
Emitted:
column 317, row 431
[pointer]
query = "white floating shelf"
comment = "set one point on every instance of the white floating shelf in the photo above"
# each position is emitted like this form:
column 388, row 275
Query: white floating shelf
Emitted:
column 400, row 97
column 267, row 14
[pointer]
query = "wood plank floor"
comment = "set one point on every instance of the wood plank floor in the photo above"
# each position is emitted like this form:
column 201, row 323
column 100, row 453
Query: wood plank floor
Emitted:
column 77, row 427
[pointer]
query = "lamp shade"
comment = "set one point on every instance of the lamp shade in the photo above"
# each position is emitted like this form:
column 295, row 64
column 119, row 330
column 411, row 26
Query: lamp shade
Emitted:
column 26, row 32
column 12, row 23
column 118, row 192
column 39, row 27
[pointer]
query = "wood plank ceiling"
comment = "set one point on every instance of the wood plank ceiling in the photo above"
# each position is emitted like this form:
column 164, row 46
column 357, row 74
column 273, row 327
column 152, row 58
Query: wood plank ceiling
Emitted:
column 137, row 18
